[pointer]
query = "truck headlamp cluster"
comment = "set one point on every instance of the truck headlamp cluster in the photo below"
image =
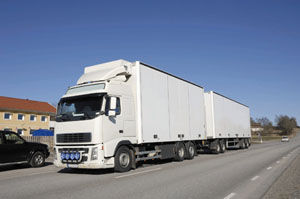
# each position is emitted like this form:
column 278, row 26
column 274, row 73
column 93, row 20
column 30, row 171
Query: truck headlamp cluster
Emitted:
column 70, row 156
column 94, row 153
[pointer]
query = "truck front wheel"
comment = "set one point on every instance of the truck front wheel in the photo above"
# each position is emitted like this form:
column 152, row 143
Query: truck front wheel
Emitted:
column 123, row 159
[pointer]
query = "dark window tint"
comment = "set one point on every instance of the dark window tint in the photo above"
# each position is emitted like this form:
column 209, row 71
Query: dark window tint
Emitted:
column 12, row 138
column 7, row 116
column 20, row 131
column 32, row 117
column 43, row 118
column 20, row 117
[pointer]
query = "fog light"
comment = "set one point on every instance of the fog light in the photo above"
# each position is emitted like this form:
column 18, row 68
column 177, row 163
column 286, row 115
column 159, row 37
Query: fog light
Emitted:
column 94, row 153
column 77, row 155
column 62, row 156
column 72, row 156
column 67, row 156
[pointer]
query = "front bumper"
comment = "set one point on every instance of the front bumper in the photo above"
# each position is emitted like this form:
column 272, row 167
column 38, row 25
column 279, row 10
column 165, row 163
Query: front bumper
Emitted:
column 86, row 162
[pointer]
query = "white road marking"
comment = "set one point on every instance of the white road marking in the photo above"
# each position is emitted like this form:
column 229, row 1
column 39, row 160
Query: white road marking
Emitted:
column 283, row 157
column 138, row 173
column 254, row 178
column 269, row 168
column 230, row 196
column 278, row 162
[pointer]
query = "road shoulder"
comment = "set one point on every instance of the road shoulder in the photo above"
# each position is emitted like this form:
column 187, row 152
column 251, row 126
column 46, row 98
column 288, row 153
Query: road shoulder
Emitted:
column 288, row 184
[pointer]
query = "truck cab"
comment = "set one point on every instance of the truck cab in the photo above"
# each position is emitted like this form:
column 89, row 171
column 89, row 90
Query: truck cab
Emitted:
column 94, row 116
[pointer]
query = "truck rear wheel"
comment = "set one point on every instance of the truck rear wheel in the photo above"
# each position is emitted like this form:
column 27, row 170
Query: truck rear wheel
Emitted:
column 123, row 159
column 246, row 143
column 249, row 142
column 179, row 150
column 242, row 144
column 191, row 151
column 218, row 148
column 222, row 146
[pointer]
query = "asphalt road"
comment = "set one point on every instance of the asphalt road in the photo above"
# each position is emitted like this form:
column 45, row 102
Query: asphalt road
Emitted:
column 248, row 173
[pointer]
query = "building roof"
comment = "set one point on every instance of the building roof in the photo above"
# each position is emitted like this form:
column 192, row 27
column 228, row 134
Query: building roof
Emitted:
column 25, row 105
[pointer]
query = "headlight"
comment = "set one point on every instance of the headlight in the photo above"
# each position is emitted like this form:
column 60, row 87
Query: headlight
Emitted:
column 94, row 153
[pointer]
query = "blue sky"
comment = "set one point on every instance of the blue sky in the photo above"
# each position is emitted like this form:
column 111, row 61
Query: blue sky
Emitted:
column 246, row 50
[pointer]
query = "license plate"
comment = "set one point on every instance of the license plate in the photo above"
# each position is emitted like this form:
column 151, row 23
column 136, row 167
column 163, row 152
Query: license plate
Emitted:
column 72, row 165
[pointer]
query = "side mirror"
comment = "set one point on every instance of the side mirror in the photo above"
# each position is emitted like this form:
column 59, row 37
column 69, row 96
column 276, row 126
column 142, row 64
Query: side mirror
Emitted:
column 113, row 103
column 112, row 107
column 112, row 113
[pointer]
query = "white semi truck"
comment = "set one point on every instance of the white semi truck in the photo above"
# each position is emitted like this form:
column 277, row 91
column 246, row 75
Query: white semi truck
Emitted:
column 123, row 112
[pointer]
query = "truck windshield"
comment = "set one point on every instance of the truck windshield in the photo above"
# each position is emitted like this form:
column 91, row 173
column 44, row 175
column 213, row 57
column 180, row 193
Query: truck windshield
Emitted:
column 83, row 108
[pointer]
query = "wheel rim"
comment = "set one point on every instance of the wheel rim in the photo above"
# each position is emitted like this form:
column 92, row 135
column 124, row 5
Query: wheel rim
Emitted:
column 124, row 159
column 218, row 148
column 39, row 160
column 191, row 151
column 223, row 147
column 181, row 152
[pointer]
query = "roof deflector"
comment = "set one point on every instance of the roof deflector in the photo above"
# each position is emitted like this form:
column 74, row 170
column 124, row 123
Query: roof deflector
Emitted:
column 105, row 71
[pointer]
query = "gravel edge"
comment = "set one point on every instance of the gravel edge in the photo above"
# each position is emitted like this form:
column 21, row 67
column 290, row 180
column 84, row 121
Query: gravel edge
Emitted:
column 287, row 186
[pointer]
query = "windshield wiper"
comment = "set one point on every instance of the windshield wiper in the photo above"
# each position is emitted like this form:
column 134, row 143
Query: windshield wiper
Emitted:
column 64, row 117
column 87, row 115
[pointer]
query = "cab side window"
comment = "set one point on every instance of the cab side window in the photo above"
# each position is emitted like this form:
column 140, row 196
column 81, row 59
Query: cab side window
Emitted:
column 1, row 141
column 118, row 108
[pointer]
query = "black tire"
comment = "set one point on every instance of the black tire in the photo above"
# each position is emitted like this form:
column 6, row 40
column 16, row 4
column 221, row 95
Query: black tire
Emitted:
column 37, row 160
column 123, row 159
column 249, row 142
column 218, row 149
column 222, row 146
column 191, row 150
column 242, row 144
column 179, row 150
column 246, row 144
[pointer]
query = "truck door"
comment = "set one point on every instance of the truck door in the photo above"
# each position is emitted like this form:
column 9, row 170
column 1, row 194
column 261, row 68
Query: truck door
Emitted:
column 113, row 124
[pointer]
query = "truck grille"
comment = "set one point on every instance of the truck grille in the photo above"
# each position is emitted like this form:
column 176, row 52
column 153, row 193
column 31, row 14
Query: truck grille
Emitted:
column 73, row 137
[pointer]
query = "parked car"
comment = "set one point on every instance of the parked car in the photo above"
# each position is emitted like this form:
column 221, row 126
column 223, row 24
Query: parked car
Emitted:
column 285, row 139
column 15, row 150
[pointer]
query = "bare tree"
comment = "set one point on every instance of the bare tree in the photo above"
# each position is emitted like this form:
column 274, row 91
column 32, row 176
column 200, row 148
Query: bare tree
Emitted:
column 266, row 124
column 286, row 124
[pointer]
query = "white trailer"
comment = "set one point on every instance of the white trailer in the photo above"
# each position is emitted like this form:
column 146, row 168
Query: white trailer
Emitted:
column 227, row 122
column 120, row 113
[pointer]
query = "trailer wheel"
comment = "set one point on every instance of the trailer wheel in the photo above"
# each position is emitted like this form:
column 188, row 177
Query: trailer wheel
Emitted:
column 123, row 159
column 249, row 142
column 179, row 152
column 218, row 148
column 222, row 146
column 191, row 151
column 246, row 144
column 242, row 144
